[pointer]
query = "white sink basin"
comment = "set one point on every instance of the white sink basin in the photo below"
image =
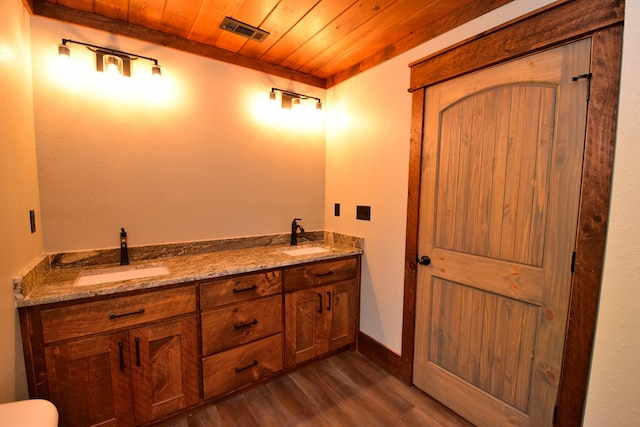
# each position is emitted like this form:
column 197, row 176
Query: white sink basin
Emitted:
column 117, row 274
column 304, row 250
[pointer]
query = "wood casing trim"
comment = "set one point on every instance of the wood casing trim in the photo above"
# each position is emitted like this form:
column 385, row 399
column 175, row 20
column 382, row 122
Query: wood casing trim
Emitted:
column 592, row 223
column 555, row 24
column 560, row 23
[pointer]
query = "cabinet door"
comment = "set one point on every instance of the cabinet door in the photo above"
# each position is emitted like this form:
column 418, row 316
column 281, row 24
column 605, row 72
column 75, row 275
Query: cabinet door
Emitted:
column 164, row 362
column 343, row 314
column 89, row 381
column 307, row 324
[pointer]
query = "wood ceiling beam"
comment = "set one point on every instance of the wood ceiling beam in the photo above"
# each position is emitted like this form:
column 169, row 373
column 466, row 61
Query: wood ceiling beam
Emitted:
column 62, row 13
column 28, row 4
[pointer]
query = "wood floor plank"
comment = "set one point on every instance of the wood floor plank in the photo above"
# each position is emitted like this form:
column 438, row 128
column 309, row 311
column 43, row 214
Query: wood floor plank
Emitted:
column 346, row 389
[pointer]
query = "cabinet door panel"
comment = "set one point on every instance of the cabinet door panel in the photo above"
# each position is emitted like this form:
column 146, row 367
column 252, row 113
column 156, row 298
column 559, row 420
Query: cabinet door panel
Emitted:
column 89, row 381
column 343, row 318
column 307, row 325
column 164, row 360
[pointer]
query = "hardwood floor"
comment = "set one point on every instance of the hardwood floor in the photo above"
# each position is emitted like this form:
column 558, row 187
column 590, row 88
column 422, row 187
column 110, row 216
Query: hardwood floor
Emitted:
column 346, row 389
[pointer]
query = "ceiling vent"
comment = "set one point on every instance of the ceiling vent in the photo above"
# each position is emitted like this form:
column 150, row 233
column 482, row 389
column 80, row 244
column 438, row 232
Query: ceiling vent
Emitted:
column 242, row 29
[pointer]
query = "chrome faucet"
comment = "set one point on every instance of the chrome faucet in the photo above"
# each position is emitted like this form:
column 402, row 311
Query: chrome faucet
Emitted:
column 124, row 251
column 294, row 231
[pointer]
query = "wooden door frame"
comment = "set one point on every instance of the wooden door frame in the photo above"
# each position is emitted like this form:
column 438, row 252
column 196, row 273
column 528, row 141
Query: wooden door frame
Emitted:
column 553, row 25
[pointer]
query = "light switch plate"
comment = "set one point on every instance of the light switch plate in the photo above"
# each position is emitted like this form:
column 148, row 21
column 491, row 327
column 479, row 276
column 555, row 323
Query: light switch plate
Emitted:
column 32, row 220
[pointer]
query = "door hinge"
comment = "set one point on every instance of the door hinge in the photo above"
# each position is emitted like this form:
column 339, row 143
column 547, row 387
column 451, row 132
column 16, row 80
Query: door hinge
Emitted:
column 573, row 261
column 584, row 76
column 555, row 414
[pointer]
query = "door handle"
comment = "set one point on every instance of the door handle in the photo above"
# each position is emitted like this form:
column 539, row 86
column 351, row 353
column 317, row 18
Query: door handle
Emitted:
column 423, row 260
column 328, row 301
column 320, row 297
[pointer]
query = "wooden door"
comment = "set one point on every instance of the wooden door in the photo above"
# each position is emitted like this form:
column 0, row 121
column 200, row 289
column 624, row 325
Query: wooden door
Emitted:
column 501, row 167
column 306, row 325
column 89, row 381
column 164, row 366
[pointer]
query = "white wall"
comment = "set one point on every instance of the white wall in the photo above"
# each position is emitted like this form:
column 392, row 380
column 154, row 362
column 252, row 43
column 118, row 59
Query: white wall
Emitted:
column 186, row 159
column 614, row 384
column 368, row 130
column 18, row 187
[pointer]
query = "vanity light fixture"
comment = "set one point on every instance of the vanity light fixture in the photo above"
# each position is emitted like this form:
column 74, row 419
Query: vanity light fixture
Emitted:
column 110, row 60
column 290, row 100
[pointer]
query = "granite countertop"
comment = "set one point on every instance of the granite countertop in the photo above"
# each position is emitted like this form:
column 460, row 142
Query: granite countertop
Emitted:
column 58, row 284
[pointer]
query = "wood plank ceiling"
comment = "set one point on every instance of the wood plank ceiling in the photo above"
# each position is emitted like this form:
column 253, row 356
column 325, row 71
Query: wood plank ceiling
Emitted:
column 318, row 42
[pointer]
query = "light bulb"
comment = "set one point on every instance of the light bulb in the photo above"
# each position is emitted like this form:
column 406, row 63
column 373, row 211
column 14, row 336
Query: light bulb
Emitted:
column 63, row 51
column 112, row 64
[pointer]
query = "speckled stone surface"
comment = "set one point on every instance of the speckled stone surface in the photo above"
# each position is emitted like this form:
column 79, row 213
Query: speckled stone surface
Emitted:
column 59, row 284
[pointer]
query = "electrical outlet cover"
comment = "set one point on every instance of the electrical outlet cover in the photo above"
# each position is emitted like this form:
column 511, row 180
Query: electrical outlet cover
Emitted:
column 363, row 213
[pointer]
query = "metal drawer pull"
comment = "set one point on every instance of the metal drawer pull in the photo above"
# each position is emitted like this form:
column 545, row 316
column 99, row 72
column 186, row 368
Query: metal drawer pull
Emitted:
column 115, row 316
column 244, row 368
column 328, row 273
column 121, row 347
column 137, row 351
column 250, row 288
column 245, row 325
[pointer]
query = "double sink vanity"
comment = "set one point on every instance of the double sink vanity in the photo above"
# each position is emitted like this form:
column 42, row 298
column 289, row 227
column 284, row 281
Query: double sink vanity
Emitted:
column 131, row 345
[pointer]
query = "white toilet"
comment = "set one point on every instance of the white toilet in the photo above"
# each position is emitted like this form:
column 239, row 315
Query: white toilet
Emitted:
column 28, row 413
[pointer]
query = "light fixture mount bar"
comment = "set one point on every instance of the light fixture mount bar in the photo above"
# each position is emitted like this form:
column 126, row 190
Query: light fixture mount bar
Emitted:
column 107, row 50
column 295, row 94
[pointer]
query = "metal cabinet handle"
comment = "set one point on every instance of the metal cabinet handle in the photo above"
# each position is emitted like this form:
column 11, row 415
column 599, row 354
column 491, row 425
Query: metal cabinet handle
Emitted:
column 244, row 368
column 121, row 349
column 245, row 325
column 329, row 301
column 137, row 351
column 250, row 288
column 320, row 297
column 328, row 273
column 116, row 316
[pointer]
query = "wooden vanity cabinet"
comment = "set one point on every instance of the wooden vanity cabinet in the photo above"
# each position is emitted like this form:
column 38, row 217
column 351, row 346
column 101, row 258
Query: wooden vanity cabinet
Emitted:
column 134, row 358
column 121, row 361
column 321, row 308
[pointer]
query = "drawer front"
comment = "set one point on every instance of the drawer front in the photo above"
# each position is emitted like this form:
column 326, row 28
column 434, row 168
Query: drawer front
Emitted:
column 320, row 273
column 232, row 369
column 230, row 326
column 220, row 292
column 115, row 313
